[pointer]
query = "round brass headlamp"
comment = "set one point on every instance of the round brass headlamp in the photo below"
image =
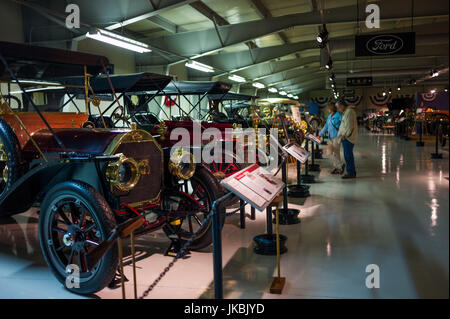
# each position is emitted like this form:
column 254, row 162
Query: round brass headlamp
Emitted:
column 181, row 164
column 123, row 174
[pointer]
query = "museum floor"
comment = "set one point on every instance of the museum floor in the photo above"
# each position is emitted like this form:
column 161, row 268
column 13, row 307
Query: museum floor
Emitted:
column 395, row 215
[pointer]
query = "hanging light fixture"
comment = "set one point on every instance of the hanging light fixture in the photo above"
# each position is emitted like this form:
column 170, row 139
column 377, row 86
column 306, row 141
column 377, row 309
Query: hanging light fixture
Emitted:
column 322, row 37
column 329, row 64
column 199, row 66
column 118, row 40
column 236, row 78
column 283, row 93
column 259, row 85
column 273, row 90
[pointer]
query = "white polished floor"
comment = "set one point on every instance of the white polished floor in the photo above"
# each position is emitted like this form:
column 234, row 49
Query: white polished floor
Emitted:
column 394, row 215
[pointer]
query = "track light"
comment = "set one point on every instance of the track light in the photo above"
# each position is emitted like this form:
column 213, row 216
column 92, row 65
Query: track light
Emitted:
column 199, row 66
column 329, row 64
column 118, row 40
column 434, row 73
column 236, row 78
column 384, row 93
column 390, row 91
column 322, row 37
column 332, row 77
column 399, row 88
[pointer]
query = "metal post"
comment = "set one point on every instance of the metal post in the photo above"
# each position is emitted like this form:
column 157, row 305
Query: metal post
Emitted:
column 217, row 253
column 284, row 178
column 253, row 213
column 269, row 220
column 242, row 213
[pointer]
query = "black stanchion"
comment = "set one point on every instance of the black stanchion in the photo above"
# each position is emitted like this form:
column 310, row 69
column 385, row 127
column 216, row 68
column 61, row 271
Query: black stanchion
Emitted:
column 217, row 253
column 318, row 153
column 266, row 244
column 299, row 189
column 242, row 213
column 288, row 216
column 313, row 167
column 436, row 154
column 420, row 142
column 307, row 178
column 252, row 213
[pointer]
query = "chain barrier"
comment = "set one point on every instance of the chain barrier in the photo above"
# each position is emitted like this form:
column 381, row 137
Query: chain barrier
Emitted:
column 179, row 254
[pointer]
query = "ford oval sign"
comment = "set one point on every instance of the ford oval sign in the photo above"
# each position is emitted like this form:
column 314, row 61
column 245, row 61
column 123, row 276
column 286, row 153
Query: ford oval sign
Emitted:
column 385, row 44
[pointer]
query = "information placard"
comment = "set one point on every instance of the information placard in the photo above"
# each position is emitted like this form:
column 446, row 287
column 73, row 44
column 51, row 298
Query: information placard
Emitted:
column 313, row 138
column 297, row 151
column 296, row 114
column 254, row 185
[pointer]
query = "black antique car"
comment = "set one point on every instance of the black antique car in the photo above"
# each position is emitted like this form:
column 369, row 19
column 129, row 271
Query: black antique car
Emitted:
column 87, row 181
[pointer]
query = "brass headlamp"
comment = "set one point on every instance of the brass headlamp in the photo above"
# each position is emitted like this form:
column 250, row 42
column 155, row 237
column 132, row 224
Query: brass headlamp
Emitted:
column 123, row 174
column 181, row 164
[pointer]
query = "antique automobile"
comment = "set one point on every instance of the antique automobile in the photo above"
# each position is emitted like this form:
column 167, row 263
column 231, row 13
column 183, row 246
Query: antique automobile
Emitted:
column 235, row 109
column 162, row 117
column 88, row 181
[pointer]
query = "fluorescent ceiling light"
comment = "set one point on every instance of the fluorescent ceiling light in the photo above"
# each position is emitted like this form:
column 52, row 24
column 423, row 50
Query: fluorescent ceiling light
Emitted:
column 37, row 82
column 236, row 78
column 273, row 90
column 283, row 93
column 296, row 97
column 49, row 88
column 259, row 85
column 290, row 95
column 199, row 66
column 119, row 41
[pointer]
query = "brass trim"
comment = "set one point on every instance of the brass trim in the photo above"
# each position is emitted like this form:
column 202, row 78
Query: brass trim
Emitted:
column 112, row 173
column 176, row 161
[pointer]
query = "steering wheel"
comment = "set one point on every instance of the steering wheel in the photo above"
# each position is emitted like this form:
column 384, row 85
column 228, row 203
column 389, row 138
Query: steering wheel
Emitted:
column 117, row 115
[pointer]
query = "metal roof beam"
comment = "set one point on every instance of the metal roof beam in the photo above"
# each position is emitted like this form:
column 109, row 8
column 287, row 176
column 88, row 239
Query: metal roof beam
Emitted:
column 166, row 24
column 217, row 19
column 206, row 40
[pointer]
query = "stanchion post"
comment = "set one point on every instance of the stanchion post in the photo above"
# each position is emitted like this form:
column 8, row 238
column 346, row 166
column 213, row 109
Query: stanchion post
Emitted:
column 278, row 282
column 217, row 252
column 269, row 220
column 284, row 179
column 122, row 275
column 242, row 213
column 252, row 213
column 437, row 155
column 133, row 258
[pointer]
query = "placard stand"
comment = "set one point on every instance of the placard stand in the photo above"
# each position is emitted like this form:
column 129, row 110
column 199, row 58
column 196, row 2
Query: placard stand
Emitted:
column 307, row 178
column 436, row 154
column 318, row 153
column 288, row 216
column 420, row 142
column 313, row 167
column 299, row 190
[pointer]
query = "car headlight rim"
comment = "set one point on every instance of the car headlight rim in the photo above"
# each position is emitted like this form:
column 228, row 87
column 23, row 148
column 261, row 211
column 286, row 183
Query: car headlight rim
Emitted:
column 113, row 173
column 176, row 164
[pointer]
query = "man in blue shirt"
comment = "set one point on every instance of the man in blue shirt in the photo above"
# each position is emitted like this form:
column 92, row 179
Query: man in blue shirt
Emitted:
column 334, row 146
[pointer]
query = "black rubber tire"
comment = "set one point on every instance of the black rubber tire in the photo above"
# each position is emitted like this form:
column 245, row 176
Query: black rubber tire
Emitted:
column 97, row 206
column 214, row 191
column 12, row 149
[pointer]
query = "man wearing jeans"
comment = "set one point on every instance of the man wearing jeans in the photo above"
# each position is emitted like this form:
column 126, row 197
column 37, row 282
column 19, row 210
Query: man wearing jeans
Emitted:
column 348, row 134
